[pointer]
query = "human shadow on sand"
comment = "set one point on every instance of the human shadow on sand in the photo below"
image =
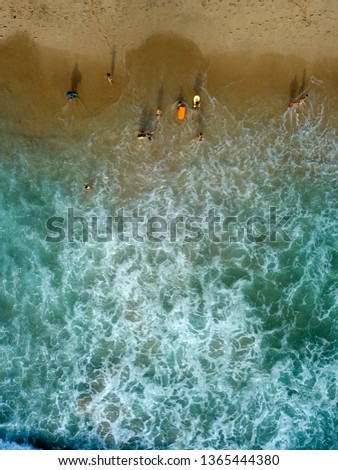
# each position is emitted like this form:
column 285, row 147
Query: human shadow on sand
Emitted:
column 198, row 83
column 160, row 96
column 293, row 89
column 147, row 119
column 302, row 86
column 75, row 78
column 296, row 90
column 180, row 96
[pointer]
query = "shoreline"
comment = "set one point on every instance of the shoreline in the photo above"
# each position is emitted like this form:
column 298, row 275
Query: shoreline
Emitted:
column 35, row 79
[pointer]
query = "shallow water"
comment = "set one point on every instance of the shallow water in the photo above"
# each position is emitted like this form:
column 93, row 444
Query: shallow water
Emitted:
column 173, row 344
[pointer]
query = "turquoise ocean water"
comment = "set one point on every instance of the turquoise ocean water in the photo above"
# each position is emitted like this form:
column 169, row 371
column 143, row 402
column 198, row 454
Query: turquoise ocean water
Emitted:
column 173, row 344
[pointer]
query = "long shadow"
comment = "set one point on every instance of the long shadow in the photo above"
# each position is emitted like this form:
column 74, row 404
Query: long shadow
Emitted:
column 198, row 83
column 302, row 86
column 146, row 119
column 180, row 96
column 160, row 96
column 75, row 78
column 293, row 89
column 113, row 59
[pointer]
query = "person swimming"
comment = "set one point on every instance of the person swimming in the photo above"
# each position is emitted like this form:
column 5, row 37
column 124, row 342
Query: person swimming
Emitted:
column 199, row 137
column 141, row 135
column 109, row 77
column 72, row 95
column 296, row 103
column 158, row 112
column 88, row 187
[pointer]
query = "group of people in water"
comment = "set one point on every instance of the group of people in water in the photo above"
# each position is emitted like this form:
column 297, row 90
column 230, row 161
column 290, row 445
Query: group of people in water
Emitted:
column 181, row 109
column 181, row 112
column 73, row 95
column 142, row 135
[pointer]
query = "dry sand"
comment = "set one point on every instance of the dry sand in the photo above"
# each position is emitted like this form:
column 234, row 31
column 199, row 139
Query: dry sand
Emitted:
column 48, row 47
column 305, row 28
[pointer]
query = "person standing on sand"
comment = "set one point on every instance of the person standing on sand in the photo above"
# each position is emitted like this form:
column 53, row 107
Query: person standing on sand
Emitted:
column 109, row 77
column 72, row 95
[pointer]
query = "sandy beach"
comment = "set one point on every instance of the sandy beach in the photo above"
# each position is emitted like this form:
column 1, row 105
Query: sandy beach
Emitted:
column 49, row 47
column 303, row 28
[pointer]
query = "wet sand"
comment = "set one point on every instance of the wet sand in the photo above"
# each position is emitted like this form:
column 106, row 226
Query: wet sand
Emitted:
column 236, row 50
column 34, row 81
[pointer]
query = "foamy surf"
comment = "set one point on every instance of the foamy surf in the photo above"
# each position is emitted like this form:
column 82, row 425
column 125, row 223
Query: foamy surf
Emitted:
column 225, row 340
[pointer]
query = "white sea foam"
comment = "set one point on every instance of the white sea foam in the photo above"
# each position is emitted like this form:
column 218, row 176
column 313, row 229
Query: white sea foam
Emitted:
column 173, row 345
